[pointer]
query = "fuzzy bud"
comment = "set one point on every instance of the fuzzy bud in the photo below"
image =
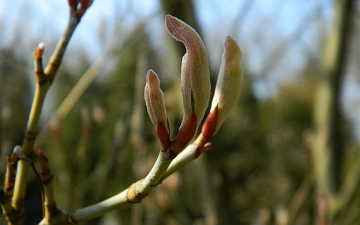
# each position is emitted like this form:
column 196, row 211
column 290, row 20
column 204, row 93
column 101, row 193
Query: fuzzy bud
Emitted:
column 154, row 99
column 195, row 78
column 228, row 83
column 17, row 150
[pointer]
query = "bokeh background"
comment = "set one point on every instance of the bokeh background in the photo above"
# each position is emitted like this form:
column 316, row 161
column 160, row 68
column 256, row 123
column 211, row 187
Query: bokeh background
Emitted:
column 265, row 166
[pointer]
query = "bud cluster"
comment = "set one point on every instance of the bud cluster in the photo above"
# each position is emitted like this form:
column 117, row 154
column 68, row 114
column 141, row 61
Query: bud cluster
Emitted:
column 195, row 87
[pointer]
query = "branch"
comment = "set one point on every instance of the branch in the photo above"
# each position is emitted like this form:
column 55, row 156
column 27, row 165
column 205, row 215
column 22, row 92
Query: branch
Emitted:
column 44, row 80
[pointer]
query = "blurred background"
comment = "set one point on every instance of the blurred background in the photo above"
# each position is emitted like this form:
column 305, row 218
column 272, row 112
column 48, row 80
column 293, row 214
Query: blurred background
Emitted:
column 287, row 154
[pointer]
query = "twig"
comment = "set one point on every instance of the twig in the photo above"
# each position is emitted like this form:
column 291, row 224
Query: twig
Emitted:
column 44, row 80
column 47, row 182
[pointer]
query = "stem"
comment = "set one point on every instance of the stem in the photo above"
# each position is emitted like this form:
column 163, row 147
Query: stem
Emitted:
column 98, row 209
column 59, row 51
column 153, row 178
column 189, row 154
column 184, row 157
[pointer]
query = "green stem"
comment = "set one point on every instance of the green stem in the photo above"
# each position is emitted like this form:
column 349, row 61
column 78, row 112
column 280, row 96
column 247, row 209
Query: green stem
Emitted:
column 59, row 51
column 98, row 209
column 156, row 173
column 184, row 157
column 32, row 126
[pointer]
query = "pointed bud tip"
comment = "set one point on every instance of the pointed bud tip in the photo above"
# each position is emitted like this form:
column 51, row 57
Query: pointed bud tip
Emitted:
column 41, row 46
column 151, row 77
column 170, row 20
column 172, row 25
column 39, row 51
column 181, row 31
column 168, row 17
column 232, row 48
column 17, row 150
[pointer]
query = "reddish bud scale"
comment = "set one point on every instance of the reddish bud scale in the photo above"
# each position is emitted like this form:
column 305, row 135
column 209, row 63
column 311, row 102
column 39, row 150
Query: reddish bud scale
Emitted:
column 155, row 105
column 188, row 129
column 185, row 134
column 42, row 156
column 209, row 127
column 13, row 158
column 39, row 72
column 39, row 51
column 163, row 135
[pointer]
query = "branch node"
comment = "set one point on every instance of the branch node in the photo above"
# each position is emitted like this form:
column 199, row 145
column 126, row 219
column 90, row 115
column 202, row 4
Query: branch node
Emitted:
column 133, row 195
column 70, row 218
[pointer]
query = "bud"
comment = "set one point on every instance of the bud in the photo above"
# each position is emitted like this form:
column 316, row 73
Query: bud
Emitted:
column 195, row 78
column 39, row 51
column 15, row 154
column 17, row 150
column 42, row 156
column 154, row 99
column 229, row 82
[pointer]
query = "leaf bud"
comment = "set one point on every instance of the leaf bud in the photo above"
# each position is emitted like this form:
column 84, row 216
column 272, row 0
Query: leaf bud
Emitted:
column 228, row 83
column 195, row 78
column 154, row 99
